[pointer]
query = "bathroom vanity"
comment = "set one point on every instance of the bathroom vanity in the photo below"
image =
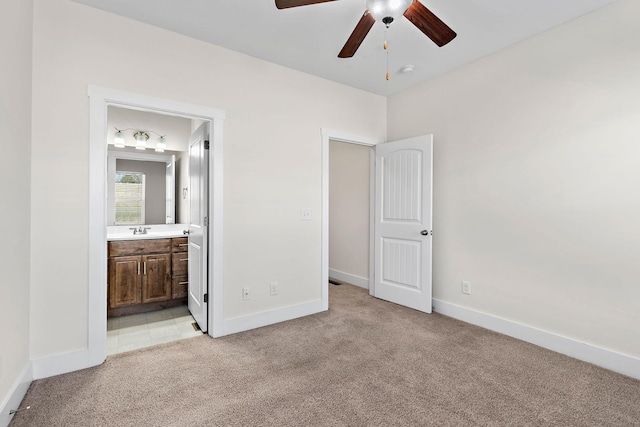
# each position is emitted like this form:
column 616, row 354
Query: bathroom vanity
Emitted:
column 146, row 274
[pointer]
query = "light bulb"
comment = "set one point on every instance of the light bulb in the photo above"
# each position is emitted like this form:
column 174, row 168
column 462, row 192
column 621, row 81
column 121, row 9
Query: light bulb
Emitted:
column 118, row 140
column 162, row 144
column 141, row 140
column 382, row 10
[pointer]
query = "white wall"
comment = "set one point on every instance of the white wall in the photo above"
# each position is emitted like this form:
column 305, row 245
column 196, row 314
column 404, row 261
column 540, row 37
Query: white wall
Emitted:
column 536, row 179
column 15, row 183
column 272, row 157
column 349, row 209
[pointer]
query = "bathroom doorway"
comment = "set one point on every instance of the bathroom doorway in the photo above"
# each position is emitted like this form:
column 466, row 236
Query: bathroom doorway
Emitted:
column 149, row 197
column 101, row 100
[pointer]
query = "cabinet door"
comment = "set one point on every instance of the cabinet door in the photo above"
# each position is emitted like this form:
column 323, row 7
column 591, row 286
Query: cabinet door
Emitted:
column 156, row 278
column 124, row 281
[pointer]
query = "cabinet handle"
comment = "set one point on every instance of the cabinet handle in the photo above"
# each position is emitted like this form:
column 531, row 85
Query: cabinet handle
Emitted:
column 183, row 283
column 145, row 268
column 138, row 268
column 183, row 244
column 183, row 259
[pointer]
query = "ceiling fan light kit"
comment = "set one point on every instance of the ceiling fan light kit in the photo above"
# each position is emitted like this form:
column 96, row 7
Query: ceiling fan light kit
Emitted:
column 386, row 11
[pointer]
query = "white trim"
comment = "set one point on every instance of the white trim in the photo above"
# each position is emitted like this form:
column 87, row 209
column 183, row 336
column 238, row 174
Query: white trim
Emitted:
column 216, row 173
column 134, row 101
column 333, row 135
column 608, row 359
column 50, row 366
column 352, row 279
column 270, row 317
column 97, row 252
column 372, row 221
column 99, row 99
column 16, row 394
column 336, row 135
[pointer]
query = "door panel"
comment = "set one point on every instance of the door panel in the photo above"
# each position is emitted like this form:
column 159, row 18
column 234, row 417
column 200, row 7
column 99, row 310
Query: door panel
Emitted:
column 198, row 230
column 124, row 281
column 156, row 279
column 402, row 217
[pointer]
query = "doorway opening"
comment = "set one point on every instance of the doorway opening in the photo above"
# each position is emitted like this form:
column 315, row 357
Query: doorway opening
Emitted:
column 349, row 210
column 335, row 137
column 101, row 100
column 400, row 219
column 149, row 190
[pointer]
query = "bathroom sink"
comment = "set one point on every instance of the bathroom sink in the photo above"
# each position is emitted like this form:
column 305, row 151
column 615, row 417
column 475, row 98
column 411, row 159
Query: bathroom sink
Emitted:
column 160, row 232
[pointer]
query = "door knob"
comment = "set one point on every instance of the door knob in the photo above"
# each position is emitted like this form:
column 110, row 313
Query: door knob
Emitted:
column 425, row 232
column 186, row 232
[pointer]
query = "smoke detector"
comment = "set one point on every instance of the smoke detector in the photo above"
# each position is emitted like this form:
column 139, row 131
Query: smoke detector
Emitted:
column 407, row 69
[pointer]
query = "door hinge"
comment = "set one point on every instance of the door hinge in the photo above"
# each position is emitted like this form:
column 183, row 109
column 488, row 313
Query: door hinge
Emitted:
column 206, row 144
column 206, row 221
column 206, row 297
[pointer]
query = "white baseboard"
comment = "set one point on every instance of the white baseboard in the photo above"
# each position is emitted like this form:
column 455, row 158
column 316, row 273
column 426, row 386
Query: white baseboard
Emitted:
column 16, row 394
column 257, row 320
column 614, row 361
column 61, row 364
column 352, row 279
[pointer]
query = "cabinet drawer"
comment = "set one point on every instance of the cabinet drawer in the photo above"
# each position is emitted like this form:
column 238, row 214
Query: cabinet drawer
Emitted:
column 139, row 247
column 179, row 287
column 180, row 264
column 180, row 244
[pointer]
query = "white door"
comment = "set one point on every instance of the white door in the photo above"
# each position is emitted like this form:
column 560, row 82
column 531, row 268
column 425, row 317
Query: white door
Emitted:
column 198, row 225
column 402, row 227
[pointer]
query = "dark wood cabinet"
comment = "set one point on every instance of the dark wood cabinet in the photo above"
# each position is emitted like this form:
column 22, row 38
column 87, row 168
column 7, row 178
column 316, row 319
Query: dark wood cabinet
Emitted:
column 142, row 277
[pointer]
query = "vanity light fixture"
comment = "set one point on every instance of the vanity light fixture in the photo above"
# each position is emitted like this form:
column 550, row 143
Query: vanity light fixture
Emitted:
column 141, row 139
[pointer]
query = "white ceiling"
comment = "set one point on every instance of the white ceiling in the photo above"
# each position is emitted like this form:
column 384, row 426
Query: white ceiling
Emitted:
column 309, row 38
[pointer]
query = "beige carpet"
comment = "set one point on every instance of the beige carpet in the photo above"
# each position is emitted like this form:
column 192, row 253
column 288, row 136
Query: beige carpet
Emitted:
column 366, row 362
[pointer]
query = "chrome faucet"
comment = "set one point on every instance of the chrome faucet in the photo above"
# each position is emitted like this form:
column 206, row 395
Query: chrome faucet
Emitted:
column 140, row 230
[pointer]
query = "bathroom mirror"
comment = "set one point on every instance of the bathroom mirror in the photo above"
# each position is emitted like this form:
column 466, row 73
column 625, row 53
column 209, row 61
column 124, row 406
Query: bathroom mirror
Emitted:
column 140, row 188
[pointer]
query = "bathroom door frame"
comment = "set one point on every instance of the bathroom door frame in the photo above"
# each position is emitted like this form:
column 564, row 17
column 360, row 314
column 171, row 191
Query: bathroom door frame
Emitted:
column 99, row 99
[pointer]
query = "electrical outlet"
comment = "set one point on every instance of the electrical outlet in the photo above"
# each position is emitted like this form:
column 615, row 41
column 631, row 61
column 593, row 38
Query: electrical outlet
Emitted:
column 245, row 294
column 466, row 287
column 273, row 288
column 305, row 214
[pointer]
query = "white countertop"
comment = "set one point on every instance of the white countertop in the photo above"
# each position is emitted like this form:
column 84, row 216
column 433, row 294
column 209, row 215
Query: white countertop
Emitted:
column 155, row 232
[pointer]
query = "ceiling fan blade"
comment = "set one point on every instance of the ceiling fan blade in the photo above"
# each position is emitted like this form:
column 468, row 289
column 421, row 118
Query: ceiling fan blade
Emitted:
column 357, row 36
column 429, row 24
column 283, row 4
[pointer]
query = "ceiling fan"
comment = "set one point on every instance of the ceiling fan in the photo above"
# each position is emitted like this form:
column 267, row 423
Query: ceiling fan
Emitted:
column 386, row 11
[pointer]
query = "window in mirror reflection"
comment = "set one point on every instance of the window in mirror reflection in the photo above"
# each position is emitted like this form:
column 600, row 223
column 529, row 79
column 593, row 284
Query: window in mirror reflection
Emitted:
column 129, row 198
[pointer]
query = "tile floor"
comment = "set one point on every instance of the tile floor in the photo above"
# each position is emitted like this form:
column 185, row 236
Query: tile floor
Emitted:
column 136, row 331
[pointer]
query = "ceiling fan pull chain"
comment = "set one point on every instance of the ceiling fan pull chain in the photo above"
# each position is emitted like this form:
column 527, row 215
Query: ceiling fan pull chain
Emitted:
column 387, row 52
